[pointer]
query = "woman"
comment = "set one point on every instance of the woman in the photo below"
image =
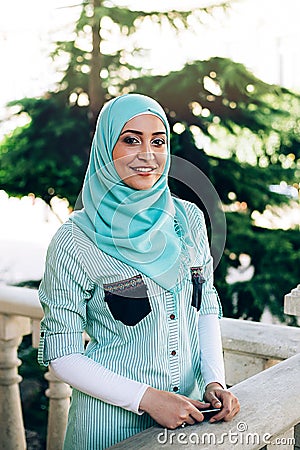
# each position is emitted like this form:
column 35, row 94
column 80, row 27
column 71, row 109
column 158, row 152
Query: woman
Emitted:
column 133, row 270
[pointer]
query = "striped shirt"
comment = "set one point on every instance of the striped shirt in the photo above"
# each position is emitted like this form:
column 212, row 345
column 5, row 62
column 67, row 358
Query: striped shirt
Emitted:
column 152, row 339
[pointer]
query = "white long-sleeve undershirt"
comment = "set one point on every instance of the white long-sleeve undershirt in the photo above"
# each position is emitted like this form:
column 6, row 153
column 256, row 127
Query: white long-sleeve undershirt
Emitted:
column 93, row 379
column 211, row 354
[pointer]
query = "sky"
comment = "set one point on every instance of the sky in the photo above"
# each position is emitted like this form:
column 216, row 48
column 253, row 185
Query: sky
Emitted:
column 262, row 34
column 27, row 30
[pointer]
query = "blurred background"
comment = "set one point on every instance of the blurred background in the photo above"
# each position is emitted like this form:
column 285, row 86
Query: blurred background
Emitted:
column 227, row 74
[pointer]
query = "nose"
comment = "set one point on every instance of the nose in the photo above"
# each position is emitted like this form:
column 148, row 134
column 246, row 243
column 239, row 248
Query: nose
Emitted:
column 146, row 153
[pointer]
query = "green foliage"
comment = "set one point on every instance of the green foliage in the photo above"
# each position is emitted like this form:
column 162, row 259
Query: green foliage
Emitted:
column 104, row 20
column 274, row 255
column 249, row 183
column 232, row 96
column 49, row 155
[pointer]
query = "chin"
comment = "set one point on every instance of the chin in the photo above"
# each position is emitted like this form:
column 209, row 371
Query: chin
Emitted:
column 141, row 185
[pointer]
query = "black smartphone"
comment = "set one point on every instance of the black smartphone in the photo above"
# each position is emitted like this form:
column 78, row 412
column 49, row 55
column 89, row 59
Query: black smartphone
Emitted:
column 209, row 412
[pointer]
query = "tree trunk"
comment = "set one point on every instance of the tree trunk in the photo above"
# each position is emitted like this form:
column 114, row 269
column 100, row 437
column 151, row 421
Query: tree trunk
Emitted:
column 96, row 92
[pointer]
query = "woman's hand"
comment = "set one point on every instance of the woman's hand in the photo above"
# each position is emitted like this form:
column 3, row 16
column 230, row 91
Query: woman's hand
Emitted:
column 221, row 398
column 171, row 410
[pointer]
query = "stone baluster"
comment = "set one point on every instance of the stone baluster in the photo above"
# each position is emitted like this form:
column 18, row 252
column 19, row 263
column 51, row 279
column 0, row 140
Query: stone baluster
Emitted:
column 292, row 302
column 292, row 307
column 59, row 394
column 12, row 329
column 35, row 327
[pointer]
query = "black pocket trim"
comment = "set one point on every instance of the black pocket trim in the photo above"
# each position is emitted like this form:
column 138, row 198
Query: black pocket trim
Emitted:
column 198, row 280
column 128, row 300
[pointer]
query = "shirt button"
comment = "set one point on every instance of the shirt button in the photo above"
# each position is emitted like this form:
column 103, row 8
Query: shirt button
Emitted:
column 173, row 353
column 175, row 389
column 172, row 316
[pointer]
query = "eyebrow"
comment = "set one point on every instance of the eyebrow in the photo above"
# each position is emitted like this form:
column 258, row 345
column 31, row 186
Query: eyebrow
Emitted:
column 141, row 133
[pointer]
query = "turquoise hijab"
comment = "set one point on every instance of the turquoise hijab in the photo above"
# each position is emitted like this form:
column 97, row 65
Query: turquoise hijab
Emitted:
column 134, row 226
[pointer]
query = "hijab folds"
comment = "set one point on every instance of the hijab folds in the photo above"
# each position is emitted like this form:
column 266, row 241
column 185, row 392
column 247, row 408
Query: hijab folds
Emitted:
column 134, row 226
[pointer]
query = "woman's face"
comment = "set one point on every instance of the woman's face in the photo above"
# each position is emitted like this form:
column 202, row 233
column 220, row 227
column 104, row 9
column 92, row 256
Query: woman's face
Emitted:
column 140, row 153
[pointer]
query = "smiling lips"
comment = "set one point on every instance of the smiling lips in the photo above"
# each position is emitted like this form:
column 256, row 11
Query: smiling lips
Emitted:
column 143, row 170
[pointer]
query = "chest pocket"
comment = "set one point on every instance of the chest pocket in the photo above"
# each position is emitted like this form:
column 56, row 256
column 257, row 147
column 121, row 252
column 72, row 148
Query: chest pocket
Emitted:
column 127, row 300
column 198, row 280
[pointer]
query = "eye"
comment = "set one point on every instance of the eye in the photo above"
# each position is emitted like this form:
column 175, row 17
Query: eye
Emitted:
column 130, row 140
column 158, row 142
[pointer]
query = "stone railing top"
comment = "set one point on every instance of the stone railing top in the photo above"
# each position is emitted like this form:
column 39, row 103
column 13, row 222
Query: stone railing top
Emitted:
column 261, row 339
column 20, row 301
column 268, row 409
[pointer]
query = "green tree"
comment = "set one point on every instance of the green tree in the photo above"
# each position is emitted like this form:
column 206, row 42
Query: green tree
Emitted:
column 48, row 156
column 99, row 22
column 217, row 98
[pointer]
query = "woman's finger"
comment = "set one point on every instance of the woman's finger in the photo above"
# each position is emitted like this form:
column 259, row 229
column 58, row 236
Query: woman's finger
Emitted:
column 213, row 400
column 189, row 420
column 199, row 405
column 195, row 414
column 230, row 408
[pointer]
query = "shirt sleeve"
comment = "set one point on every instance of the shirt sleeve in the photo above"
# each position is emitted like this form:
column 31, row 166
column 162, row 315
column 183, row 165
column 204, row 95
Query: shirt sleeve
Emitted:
column 63, row 293
column 93, row 379
column 211, row 354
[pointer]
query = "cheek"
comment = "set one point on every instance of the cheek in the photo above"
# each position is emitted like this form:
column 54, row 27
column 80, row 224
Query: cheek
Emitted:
column 118, row 154
column 121, row 159
column 121, row 167
column 162, row 160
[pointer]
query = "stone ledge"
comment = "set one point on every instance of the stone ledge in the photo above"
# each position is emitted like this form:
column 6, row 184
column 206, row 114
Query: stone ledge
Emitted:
column 20, row 301
column 268, row 409
column 260, row 339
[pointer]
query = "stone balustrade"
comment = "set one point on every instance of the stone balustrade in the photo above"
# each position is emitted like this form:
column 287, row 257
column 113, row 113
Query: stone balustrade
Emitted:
column 269, row 398
column 292, row 302
column 20, row 314
column 250, row 347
